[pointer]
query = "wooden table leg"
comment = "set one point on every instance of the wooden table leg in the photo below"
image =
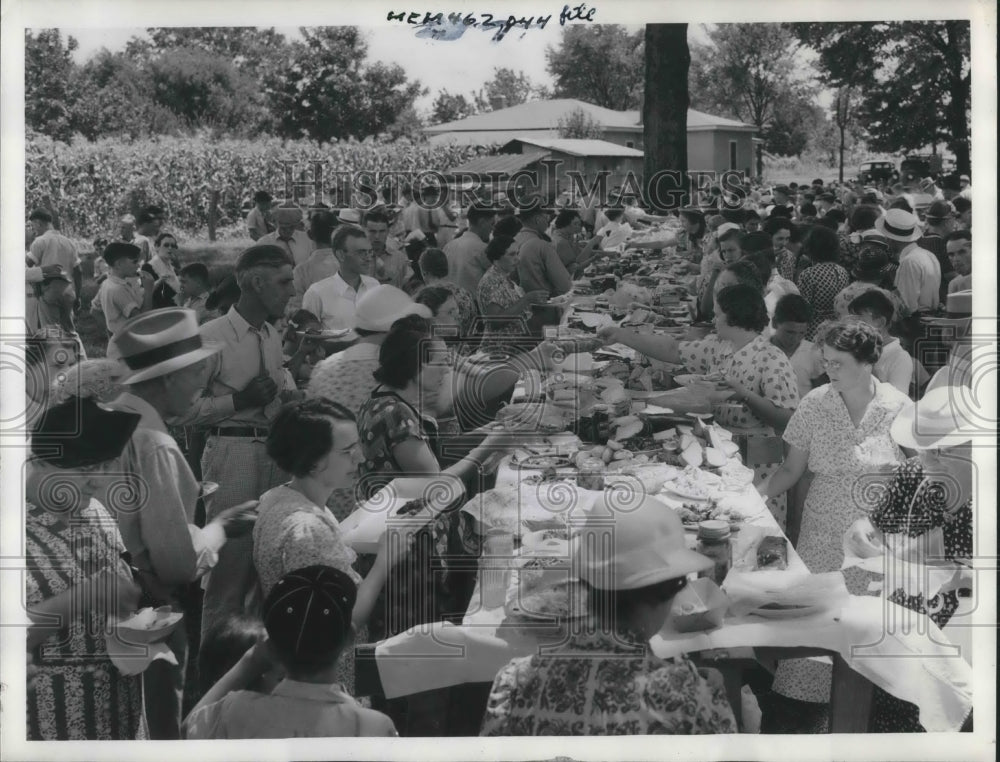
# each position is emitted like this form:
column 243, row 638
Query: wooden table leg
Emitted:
column 850, row 699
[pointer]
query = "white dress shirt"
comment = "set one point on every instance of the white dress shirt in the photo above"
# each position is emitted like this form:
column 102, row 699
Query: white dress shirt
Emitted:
column 333, row 301
column 918, row 279
column 299, row 246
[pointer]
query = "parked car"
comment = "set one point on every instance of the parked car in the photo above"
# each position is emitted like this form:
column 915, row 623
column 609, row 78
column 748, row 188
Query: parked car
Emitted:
column 876, row 172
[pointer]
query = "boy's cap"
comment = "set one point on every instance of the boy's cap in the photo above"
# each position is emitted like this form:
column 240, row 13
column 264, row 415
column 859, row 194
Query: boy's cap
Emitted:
column 307, row 614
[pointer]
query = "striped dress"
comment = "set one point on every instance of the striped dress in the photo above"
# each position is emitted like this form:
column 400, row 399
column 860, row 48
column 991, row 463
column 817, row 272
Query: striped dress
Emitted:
column 76, row 693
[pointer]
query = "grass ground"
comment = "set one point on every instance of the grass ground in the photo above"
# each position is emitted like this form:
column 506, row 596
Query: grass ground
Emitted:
column 219, row 257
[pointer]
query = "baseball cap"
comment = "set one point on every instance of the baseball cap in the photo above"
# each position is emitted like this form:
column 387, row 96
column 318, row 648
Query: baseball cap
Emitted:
column 307, row 614
column 646, row 545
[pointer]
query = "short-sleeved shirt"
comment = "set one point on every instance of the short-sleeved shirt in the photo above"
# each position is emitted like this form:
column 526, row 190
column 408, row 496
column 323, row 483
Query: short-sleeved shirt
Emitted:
column 52, row 248
column 822, row 427
column 819, row 285
column 291, row 710
column 334, row 302
column 604, row 685
column 259, row 224
column 119, row 300
column 386, row 420
column 291, row 533
column 759, row 366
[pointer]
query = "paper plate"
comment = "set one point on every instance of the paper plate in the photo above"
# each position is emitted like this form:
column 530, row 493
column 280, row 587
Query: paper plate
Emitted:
column 787, row 612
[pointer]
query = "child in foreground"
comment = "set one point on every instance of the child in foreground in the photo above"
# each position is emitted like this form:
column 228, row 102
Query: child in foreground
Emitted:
column 307, row 616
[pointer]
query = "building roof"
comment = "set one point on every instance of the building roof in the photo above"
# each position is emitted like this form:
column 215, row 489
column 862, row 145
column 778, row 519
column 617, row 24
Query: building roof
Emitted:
column 578, row 147
column 504, row 163
column 486, row 137
column 546, row 114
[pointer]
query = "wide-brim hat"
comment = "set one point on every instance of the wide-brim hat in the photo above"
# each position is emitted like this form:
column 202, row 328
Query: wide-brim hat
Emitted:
column 943, row 417
column 939, row 211
column 382, row 306
column 646, row 546
column 349, row 217
column 899, row 225
column 79, row 432
column 160, row 342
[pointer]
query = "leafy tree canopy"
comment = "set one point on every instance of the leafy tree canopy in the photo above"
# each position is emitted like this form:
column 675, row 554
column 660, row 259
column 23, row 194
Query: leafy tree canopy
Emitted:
column 601, row 64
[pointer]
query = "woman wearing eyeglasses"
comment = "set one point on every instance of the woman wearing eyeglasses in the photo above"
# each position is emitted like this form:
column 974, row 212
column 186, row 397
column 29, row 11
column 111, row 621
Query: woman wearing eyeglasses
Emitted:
column 841, row 432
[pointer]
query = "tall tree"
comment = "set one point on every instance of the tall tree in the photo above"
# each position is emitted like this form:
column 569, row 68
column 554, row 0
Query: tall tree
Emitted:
column 749, row 72
column 510, row 88
column 601, row 64
column 664, row 113
column 842, row 118
column 913, row 79
column 48, row 73
column 326, row 92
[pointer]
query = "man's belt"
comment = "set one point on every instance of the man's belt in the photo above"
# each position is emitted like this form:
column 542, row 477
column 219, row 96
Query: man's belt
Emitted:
column 252, row 432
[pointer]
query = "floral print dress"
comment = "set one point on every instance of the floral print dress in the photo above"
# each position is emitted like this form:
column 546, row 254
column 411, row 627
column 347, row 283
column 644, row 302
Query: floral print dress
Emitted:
column 420, row 588
column 915, row 505
column 496, row 288
column 819, row 285
column 77, row 694
column 604, row 684
column 852, row 466
column 764, row 369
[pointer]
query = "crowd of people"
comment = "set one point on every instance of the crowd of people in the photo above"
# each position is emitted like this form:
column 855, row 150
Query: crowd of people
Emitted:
column 247, row 418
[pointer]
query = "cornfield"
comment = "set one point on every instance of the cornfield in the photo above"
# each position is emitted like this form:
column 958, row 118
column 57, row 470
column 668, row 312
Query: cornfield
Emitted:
column 91, row 185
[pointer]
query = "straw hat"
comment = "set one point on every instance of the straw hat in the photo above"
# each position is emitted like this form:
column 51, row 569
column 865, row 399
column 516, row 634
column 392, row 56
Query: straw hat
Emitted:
column 899, row 225
column 943, row 417
column 647, row 546
column 159, row 342
column 382, row 306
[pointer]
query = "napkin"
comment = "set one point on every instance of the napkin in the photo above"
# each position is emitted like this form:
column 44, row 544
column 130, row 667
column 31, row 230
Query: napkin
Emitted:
column 751, row 590
column 130, row 659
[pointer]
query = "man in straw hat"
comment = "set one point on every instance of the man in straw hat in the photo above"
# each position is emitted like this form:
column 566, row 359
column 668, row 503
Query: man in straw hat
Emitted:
column 246, row 385
column 918, row 279
column 288, row 236
column 938, row 222
column 164, row 353
column 632, row 561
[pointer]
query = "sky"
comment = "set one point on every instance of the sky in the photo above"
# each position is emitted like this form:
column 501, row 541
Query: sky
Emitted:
column 459, row 66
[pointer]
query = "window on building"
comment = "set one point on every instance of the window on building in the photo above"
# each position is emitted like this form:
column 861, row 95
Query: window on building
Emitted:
column 732, row 154
column 630, row 144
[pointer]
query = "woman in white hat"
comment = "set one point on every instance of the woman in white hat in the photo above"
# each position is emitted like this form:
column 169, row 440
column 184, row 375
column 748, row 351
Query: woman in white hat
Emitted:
column 605, row 680
column 925, row 518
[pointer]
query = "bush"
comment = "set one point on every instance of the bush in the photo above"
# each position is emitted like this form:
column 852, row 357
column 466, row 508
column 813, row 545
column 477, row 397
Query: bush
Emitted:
column 94, row 184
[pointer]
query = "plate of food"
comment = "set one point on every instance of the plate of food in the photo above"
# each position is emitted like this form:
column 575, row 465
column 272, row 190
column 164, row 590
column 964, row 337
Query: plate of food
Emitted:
column 532, row 416
column 787, row 610
column 541, row 462
column 147, row 625
column 691, row 488
column 326, row 334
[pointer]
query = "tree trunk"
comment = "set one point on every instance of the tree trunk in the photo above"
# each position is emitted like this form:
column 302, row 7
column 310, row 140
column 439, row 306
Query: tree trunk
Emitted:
column 961, row 91
column 664, row 115
column 840, row 175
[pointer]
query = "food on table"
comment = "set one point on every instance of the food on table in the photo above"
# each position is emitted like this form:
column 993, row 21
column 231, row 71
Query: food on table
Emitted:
column 772, row 553
column 629, row 430
column 692, row 453
column 715, row 458
column 496, row 509
column 736, row 476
